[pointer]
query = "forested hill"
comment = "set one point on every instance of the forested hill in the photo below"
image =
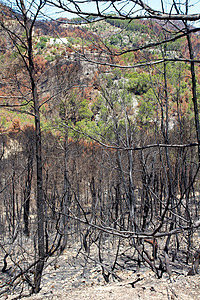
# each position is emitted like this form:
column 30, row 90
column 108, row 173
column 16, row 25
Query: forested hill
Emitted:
column 66, row 43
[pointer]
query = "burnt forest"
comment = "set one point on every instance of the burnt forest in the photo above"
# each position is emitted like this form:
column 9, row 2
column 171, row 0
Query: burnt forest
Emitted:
column 99, row 142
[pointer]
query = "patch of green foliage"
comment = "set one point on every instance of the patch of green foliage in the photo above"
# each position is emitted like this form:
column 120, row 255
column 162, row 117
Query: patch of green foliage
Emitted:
column 2, row 57
column 81, row 20
column 137, row 83
column 147, row 108
column 42, row 43
column 134, row 25
column 74, row 41
column 50, row 58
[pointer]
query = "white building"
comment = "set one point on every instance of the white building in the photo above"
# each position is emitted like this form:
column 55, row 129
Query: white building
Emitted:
column 54, row 41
